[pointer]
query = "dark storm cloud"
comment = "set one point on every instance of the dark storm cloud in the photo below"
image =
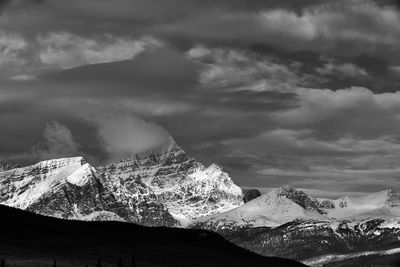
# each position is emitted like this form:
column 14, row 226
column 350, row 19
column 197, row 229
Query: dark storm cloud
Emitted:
column 345, row 27
column 162, row 85
column 4, row 4
column 173, row 72
column 275, row 91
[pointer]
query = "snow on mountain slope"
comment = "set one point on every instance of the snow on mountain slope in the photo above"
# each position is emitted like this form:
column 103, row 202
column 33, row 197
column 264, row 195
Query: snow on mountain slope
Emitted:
column 183, row 185
column 81, row 176
column 156, row 188
column 325, row 259
column 23, row 186
column 275, row 208
column 71, row 188
column 385, row 204
column 286, row 204
column 204, row 192
column 288, row 223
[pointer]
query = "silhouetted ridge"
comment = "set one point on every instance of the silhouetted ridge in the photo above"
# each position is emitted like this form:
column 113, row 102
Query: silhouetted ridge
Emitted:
column 79, row 242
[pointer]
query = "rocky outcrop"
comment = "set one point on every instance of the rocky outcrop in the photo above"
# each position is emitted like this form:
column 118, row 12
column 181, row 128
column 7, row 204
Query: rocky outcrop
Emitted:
column 250, row 194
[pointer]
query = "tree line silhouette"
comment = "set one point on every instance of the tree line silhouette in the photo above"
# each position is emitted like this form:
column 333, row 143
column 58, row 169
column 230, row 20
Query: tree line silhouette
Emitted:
column 99, row 263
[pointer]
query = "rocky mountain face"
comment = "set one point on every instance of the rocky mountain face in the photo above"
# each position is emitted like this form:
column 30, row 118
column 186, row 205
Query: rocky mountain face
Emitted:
column 6, row 167
column 72, row 189
column 305, row 240
column 250, row 194
column 165, row 188
column 168, row 188
column 186, row 188
column 287, row 222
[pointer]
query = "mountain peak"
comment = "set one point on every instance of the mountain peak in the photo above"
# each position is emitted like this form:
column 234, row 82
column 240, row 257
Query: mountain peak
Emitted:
column 214, row 168
column 287, row 189
column 393, row 198
column 39, row 179
column 288, row 192
column 299, row 197
column 62, row 161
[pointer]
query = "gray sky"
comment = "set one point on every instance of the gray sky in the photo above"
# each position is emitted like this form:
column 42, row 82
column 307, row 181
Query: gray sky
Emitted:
column 302, row 92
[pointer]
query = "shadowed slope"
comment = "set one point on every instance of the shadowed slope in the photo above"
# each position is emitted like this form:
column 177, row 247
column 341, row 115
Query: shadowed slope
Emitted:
column 28, row 240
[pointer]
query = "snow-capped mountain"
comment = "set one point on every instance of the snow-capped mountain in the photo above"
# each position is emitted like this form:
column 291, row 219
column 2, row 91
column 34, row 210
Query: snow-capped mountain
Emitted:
column 187, row 188
column 168, row 188
column 157, row 188
column 275, row 208
column 286, row 204
column 71, row 188
column 287, row 222
column 384, row 204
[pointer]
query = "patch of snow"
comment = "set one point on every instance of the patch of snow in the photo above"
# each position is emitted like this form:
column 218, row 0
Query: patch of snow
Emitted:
column 391, row 224
column 30, row 183
column 101, row 216
column 81, row 175
column 323, row 260
column 268, row 210
column 370, row 206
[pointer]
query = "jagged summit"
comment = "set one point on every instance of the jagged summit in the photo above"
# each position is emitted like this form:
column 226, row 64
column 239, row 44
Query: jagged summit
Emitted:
column 169, row 148
column 214, row 168
column 272, row 209
column 187, row 188
column 159, row 187
column 299, row 197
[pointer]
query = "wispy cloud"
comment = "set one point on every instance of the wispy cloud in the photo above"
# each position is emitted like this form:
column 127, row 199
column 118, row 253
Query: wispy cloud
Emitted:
column 66, row 50
column 57, row 142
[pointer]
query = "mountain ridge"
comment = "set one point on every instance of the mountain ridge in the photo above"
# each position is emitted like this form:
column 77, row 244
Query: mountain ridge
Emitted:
column 287, row 223
column 165, row 186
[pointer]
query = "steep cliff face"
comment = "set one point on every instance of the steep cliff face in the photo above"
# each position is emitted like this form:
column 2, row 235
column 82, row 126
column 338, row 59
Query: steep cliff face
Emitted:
column 70, row 188
column 183, row 185
column 158, row 188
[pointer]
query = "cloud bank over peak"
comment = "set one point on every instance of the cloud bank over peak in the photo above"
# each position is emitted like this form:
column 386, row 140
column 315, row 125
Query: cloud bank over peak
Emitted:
column 57, row 142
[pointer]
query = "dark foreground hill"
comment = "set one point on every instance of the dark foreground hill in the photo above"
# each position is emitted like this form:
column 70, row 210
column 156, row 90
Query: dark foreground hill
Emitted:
column 27, row 239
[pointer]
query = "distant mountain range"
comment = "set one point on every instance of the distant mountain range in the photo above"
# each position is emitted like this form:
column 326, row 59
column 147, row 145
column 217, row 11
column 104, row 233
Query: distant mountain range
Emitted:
column 287, row 222
column 169, row 188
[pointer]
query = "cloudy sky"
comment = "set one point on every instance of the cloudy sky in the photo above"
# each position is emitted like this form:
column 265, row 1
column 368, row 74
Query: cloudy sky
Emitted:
column 299, row 92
